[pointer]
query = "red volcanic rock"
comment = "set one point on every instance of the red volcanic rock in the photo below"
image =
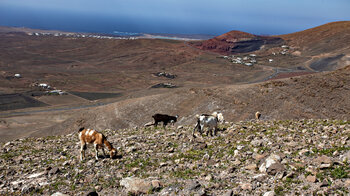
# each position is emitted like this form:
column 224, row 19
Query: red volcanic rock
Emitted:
column 235, row 36
column 236, row 42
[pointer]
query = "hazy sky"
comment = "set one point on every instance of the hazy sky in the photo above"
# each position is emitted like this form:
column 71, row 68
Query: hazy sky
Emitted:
column 174, row 16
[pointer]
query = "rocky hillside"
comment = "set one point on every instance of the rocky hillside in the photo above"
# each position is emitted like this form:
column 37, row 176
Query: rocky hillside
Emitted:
column 247, row 158
column 317, row 40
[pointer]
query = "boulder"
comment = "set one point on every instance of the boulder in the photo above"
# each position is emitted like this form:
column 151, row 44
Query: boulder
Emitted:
column 228, row 193
column 246, row 186
column 275, row 168
column 257, row 143
column 136, row 185
column 260, row 177
column 149, row 124
column 59, row 194
column 324, row 183
column 193, row 186
column 311, row 178
column 269, row 161
column 345, row 157
column 251, row 167
column 269, row 193
column 323, row 160
column 54, row 170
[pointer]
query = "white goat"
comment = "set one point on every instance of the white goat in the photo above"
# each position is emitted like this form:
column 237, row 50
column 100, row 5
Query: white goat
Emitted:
column 209, row 121
column 257, row 115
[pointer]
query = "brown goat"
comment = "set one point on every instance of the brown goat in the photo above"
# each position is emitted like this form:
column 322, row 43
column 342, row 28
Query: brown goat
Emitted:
column 89, row 136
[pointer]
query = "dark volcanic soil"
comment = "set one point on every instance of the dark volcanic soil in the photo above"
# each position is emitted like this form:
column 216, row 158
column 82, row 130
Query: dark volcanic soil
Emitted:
column 18, row 101
column 95, row 96
column 326, row 64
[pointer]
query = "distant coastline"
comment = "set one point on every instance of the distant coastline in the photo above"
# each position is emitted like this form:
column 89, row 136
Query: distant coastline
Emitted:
column 113, row 35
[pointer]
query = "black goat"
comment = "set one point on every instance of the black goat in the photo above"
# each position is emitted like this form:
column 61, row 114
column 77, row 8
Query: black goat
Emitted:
column 164, row 118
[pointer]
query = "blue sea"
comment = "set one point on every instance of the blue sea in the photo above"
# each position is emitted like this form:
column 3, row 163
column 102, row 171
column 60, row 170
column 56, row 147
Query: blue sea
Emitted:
column 91, row 23
column 194, row 18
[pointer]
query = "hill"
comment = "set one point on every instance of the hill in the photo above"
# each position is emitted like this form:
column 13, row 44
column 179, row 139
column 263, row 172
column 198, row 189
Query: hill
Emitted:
column 235, row 42
column 317, row 40
column 322, row 48
column 251, row 158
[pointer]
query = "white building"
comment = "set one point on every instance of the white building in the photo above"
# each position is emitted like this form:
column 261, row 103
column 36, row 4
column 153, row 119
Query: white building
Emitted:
column 58, row 92
column 43, row 85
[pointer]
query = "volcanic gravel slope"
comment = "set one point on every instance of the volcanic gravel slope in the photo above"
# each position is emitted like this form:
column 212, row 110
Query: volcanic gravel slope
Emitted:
column 290, row 157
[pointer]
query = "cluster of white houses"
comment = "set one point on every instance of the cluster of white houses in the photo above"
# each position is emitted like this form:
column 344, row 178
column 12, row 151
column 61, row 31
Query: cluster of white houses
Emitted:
column 80, row 35
column 249, row 60
column 50, row 90
column 284, row 50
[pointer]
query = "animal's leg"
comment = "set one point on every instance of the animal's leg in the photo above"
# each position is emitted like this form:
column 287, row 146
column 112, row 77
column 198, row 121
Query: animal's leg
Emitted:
column 82, row 151
column 165, row 124
column 196, row 128
column 103, row 150
column 81, row 154
column 96, row 151
column 156, row 123
column 200, row 128
column 208, row 130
